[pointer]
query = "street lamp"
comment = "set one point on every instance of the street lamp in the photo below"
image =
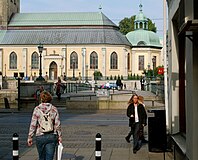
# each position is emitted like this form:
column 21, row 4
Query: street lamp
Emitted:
column 73, row 63
column 154, row 61
column 40, row 49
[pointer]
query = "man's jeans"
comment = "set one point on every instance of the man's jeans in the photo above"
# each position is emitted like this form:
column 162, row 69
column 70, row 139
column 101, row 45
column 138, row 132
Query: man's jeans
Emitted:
column 46, row 145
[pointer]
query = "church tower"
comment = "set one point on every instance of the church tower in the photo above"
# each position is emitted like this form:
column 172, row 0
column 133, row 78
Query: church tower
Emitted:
column 7, row 9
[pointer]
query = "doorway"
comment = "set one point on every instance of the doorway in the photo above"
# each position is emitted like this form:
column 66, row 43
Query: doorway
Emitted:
column 53, row 71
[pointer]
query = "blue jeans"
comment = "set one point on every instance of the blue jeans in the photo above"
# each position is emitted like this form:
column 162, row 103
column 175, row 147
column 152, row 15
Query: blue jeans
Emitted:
column 46, row 145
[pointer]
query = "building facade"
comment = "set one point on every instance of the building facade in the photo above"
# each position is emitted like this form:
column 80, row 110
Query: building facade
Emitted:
column 183, row 76
column 146, row 50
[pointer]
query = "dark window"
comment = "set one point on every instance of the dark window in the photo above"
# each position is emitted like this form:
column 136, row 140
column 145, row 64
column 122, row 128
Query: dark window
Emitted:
column 114, row 61
column 141, row 63
column 93, row 60
column 35, row 61
column 141, row 43
column 13, row 60
column 128, row 61
column 73, row 60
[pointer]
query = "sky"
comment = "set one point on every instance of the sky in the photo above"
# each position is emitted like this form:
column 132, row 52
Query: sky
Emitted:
column 116, row 10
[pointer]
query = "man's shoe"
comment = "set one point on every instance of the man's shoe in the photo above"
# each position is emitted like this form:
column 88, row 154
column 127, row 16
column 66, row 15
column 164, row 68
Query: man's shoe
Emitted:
column 134, row 151
column 127, row 139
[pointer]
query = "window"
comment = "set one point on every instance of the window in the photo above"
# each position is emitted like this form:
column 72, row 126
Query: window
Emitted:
column 128, row 61
column 93, row 60
column 35, row 61
column 114, row 61
column 141, row 63
column 141, row 43
column 73, row 60
column 13, row 60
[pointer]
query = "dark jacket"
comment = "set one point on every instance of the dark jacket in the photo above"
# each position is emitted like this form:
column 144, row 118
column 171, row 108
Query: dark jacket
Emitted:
column 141, row 114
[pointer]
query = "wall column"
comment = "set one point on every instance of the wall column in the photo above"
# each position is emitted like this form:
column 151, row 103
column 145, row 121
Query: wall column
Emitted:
column 126, row 63
column 83, row 63
column 133, row 66
column 24, row 64
column 63, row 65
column 104, row 62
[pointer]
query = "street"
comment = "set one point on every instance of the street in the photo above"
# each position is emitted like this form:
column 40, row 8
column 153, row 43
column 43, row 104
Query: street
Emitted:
column 79, row 130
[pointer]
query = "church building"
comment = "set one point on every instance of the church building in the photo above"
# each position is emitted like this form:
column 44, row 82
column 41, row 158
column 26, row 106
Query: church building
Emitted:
column 74, row 44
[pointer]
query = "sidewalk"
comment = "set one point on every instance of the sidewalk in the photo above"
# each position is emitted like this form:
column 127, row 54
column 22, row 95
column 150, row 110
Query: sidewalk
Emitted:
column 107, row 154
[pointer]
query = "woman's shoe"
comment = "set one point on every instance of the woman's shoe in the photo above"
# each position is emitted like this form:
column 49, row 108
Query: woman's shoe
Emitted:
column 127, row 139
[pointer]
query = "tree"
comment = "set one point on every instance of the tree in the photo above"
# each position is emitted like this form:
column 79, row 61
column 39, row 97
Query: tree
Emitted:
column 127, row 25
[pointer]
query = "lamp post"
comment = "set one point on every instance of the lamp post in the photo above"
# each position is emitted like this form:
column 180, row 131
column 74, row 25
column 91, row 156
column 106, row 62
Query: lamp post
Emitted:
column 73, row 61
column 40, row 49
column 154, row 61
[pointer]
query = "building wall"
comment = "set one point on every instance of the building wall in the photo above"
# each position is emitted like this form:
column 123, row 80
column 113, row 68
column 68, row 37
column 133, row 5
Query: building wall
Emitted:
column 55, row 54
column 148, row 54
column 191, row 76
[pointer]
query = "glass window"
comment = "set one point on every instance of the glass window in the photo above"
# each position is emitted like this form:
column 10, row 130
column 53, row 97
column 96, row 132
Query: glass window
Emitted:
column 35, row 61
column 114, row 61
column 128, row 61
column 93, row 60
column 141, row 63
column 73, row 60
column 13, row 60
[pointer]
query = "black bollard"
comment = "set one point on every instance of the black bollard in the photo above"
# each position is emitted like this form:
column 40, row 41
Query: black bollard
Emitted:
column 15, row 151
column 98, row 147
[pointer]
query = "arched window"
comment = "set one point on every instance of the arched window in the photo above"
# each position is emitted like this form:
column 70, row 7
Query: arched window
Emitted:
column 13, row 60
column 93, row 60
column 141, row 43
column 35, row 61
column 114, row 61
column 73, row 60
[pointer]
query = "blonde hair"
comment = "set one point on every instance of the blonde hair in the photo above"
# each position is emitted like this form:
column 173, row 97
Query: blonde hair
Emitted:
column 141, row 99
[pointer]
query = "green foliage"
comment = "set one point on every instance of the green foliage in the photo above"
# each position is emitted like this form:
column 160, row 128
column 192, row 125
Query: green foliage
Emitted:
column 111, row 77
column 107, row 78
column 127, row 25
column 134, row 77
column 115, row 77
column 122, row 77
column 138, row 77
column 97, row 75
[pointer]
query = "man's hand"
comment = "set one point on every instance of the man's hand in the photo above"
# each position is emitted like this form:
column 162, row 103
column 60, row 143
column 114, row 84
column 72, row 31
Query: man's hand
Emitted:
column 29, row 142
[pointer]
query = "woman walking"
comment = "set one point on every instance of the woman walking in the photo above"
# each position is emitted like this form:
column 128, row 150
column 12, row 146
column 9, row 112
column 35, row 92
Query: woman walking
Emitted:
column 45, row 124
column 137, row 119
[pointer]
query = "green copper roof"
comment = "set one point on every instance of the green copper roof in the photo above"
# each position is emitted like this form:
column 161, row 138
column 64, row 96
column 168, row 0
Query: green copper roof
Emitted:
column 2, row 34
column 60, row 19
column 144, row 38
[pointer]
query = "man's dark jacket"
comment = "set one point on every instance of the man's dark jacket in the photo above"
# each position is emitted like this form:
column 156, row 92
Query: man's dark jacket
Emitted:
column 141, row 114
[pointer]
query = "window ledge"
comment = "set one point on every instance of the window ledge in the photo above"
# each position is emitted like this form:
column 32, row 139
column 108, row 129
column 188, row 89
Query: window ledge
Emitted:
column 179, row 140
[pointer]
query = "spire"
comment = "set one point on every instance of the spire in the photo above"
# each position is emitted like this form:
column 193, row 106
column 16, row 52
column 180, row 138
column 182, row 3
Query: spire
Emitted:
column 140, row 7
column 100, row 8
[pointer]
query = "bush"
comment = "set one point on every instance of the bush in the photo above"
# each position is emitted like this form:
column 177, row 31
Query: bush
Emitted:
column 111, row 77
column 122, row 77
column 115, row 77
